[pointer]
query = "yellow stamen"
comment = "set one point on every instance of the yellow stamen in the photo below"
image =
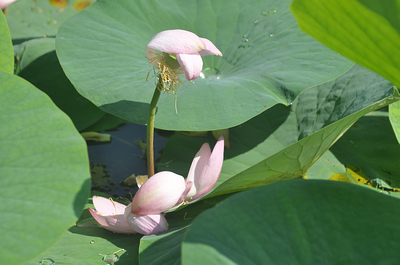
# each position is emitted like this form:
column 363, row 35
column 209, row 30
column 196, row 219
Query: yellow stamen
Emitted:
column 168, row 78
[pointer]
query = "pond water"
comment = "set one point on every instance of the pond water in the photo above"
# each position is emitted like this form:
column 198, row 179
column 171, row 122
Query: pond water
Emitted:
column 112, row 162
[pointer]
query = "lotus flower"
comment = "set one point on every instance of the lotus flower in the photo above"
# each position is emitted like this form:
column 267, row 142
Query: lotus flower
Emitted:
column 110, row 215
column 165, row 189
column 161, row 192
column 187, row 48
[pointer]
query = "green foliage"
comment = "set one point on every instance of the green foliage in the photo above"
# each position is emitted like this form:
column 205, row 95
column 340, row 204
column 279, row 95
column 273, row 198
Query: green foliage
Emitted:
column 394, row 116
column 366, row 31
column 296, row 222
column 267, row 60
column 37, row 19
column 38, row 63
column 284, row 142
column 287, row 98
column 44, row 167
column 6, row 50
column 82, row 245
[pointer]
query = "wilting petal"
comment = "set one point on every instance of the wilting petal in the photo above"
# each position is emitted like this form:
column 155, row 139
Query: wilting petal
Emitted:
column 158, row 193
column 176, row 41
column 192, row 64
column 210, row 48
column 210, row 173
column 110, row 215
column 146, row 224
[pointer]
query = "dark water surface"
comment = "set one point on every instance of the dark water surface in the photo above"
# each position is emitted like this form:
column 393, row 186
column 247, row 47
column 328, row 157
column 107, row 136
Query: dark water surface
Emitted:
column 111, row 163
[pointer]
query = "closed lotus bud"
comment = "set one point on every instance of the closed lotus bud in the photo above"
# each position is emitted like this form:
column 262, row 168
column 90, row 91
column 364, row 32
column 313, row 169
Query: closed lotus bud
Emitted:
column 159, row 193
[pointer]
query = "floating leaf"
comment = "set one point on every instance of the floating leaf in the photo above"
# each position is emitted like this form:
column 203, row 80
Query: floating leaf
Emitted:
column 40, row 66
column 37, row 19
column 297, row 222
column 44, row 167
column 267, row 60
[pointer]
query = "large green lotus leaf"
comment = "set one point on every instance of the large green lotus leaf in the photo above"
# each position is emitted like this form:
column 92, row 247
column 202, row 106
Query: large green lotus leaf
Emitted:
column 44, row 170
column 297, row 222
column 285, row 141
column 40, row 18
column 6, row 49
column 267, row 59
column 39, row 65
column 81, row 245
column 366, row 31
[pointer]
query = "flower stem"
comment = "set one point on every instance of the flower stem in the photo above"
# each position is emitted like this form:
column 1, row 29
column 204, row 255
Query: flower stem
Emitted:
column 150, row 130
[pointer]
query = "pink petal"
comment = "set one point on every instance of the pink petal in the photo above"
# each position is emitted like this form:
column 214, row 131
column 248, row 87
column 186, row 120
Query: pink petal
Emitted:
column 211, row 171
column 210, row 48
column 192, row 64
column 5, row 3
column 108, row 207
column 146, row 224
column 199, row 162
column 114, row 223
column 176, row 41
column 158, row 193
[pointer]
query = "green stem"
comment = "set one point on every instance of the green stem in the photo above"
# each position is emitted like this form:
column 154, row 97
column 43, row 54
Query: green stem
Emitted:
column 150, row 131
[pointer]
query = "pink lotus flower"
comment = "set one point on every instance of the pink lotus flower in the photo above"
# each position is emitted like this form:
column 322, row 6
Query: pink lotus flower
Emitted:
column 110, row 215
column 187, row 48
column 165, row 189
